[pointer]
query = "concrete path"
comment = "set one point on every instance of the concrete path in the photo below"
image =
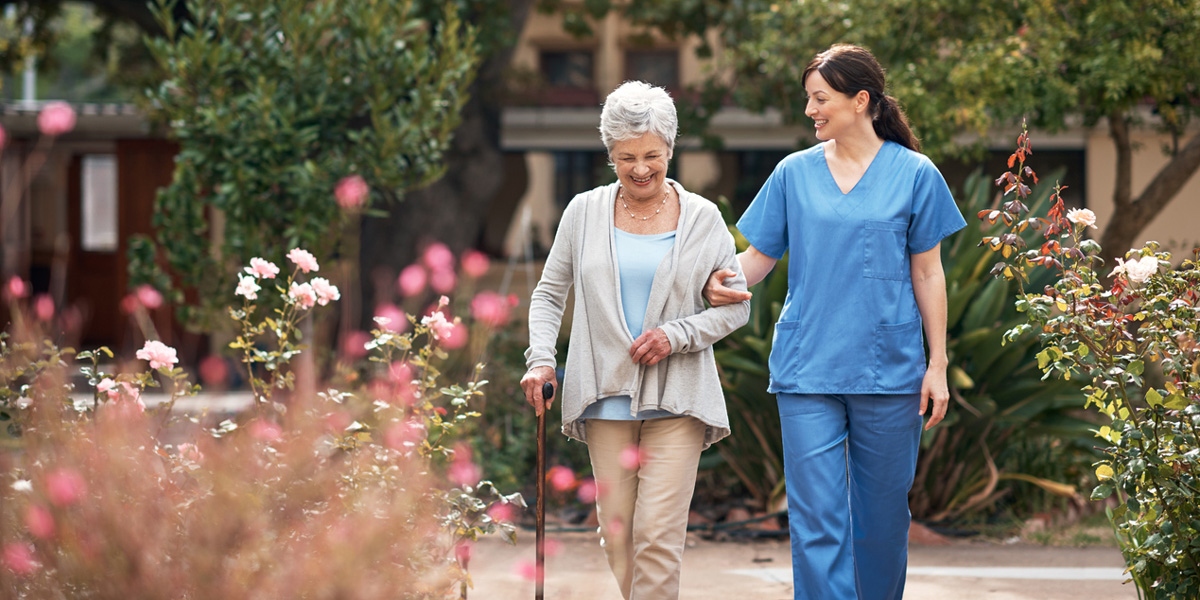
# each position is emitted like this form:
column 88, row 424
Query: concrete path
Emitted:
column 760, row 570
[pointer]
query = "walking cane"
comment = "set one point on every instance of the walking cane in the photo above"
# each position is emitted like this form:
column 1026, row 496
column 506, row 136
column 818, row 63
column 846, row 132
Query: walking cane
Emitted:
column 540, row 564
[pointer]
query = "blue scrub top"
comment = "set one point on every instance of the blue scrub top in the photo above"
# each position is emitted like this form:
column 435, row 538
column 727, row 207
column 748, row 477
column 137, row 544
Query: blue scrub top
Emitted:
column 850, row 322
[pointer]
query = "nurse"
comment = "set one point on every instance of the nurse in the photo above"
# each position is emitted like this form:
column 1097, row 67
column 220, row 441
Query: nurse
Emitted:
column 863, row 214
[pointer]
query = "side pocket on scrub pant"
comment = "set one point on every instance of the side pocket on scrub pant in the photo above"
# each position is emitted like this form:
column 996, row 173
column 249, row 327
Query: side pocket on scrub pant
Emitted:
column 899, row 355
column 884, row 250
column 785, row 355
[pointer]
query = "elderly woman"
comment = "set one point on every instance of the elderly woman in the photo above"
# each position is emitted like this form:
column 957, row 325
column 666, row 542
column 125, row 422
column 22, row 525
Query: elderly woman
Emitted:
column 641, row 386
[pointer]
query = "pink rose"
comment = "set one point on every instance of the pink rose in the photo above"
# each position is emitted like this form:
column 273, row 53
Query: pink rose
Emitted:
column 303, row 294
column 39, row 521
column 587, row 491
column 354, row 345
column 561, row 478
column 391, row 318
column 108, row 387
column 351, row 192
column 438, row 257
column 65, row 486
column 148, row 296
column 213, row 370
column 262, row 269
column 464, row 473
column 43, row 307
column 307, row 262
column 159, row 354
column 439, row 326
column 457, row 338
column 475, row 263
column 134, row 393
column 247, row 287
column 490, row 308
column 442, row 281
column 501, row 512
column 56, row 118
column 400, row 372
column 325, row 291
column 17, row 288
column 411, row 281
column 18, row 558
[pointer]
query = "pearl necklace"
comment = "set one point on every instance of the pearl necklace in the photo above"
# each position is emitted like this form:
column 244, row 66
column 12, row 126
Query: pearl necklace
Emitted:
column 621, row 197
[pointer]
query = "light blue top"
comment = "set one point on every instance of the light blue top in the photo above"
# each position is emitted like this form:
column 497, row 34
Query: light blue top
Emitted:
column 850, row 322
column 638, row 257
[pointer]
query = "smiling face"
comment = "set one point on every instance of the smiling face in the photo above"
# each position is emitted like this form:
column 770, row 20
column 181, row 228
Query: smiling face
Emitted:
column 641, row 165
column 833, row 113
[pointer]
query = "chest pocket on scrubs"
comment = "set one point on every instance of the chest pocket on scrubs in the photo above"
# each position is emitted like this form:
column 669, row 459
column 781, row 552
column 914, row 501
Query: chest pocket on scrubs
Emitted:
column 883, row 250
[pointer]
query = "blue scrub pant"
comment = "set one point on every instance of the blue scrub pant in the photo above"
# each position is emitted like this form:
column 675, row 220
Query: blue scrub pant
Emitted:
column 849, row 461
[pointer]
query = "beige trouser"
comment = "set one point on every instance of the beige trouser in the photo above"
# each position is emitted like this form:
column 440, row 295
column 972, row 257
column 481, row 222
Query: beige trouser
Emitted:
column 643, row 511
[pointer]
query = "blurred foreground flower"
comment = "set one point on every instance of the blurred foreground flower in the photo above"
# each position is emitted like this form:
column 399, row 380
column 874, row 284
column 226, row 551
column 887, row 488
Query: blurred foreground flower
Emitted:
column 159, row 354
column 351, row 192
column 56, row 118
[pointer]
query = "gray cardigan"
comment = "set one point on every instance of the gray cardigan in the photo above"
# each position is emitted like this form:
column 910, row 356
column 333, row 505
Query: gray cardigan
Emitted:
column 598, row 363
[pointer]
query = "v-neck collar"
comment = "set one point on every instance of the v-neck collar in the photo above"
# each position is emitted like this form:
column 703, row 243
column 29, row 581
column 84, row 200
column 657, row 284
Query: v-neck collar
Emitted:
column 845, row 203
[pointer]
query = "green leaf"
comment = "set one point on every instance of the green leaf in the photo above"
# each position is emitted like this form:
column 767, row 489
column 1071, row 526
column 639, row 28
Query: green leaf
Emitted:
column 1102, row 491
column 1153, row 398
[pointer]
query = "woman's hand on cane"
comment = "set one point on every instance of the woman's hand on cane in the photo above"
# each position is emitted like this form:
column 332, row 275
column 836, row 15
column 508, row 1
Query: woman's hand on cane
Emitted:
column 532, row 384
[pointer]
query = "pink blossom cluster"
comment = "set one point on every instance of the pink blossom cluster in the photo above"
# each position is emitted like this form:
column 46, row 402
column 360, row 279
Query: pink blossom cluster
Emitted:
column 436, row 269
column 303, row 259
column 441, row 328
column 56, row 118
column 491, row 308
column 351, row 192
column 159, row 354
column 114, row 390
column 143, row 296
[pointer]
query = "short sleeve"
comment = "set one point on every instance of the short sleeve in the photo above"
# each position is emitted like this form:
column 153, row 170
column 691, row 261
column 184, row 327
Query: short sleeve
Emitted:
column 765, row 222
column 934, row 214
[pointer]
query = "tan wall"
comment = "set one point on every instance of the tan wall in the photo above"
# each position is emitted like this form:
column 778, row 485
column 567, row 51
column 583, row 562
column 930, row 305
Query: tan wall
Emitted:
column 1177, row 227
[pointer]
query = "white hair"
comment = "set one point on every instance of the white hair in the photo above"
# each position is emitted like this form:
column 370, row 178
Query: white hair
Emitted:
column 635, row 108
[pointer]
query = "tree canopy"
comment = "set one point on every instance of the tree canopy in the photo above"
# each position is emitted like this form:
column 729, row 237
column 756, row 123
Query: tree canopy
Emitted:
column 962, row 67
column 273, row 102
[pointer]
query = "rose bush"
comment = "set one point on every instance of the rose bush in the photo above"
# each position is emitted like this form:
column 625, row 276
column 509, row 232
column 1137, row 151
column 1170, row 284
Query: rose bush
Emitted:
column 362, row 491
column 1133, row 334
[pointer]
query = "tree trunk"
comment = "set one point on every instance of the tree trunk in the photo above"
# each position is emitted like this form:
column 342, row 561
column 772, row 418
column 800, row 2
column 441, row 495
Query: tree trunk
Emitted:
column 453, row 209
column 1132, row 215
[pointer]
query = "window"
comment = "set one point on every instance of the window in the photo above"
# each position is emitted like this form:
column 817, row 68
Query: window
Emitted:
column 568, row 69
column 753, row 169
column 658, row 67
column 98, row 224
column 579, row 171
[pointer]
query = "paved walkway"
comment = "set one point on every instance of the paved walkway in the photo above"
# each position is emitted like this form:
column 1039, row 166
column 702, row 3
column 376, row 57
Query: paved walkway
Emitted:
column 760, row 570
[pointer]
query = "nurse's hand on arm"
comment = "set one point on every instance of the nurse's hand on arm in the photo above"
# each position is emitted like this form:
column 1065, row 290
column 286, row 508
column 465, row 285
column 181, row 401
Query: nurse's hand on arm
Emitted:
column 929, row 287
column 650, row 347
column 755, row 265
column 532, row 383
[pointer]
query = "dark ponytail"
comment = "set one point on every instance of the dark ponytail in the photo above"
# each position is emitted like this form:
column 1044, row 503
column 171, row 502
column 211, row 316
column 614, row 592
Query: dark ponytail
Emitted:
column 891, row 123
column 851, row 69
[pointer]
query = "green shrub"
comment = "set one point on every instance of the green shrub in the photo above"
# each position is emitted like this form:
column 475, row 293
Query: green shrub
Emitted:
column 1134, row 341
